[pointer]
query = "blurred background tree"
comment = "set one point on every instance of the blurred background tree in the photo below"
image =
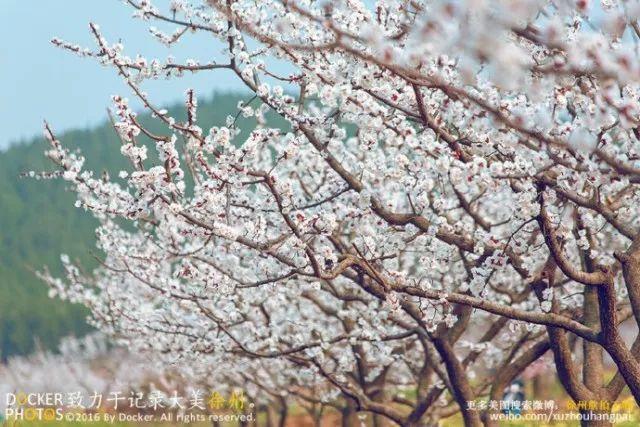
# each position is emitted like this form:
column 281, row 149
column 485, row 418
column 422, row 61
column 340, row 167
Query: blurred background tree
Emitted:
column 37, row 225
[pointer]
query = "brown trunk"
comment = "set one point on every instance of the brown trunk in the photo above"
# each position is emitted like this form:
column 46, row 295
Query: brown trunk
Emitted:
column 379, row 420
column 541, row 385
column 592, row 368
column 315, row 412
column 593, row 419
column 613, row 342
column 488, row 422
column 283, row 412
column 270, row 416
column 462, row 391
column 349, row 416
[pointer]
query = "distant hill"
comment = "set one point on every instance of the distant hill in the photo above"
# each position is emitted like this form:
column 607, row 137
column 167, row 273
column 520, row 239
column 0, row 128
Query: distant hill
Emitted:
column 38, row 222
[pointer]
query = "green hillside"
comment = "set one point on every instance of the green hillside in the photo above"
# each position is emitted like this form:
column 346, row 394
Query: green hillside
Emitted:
column 38, row 222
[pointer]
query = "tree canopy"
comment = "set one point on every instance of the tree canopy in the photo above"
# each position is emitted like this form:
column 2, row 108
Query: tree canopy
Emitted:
column 38, row 222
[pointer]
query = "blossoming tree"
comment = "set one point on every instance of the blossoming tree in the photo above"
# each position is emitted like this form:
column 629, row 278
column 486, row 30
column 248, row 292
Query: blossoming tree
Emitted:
column 88, row 375
column 455, row 196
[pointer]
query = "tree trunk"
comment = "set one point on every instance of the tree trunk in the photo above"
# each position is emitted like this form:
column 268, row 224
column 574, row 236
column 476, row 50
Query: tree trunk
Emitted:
column 541, row 384
column 276, row 415
column 283, row 413
column 270, row 416
column 592, row 418
column 462, row 391
column 380, row 420
column 349, row 416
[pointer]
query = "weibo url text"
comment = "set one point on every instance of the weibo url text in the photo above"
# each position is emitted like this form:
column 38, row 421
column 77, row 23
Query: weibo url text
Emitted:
column 563, row 417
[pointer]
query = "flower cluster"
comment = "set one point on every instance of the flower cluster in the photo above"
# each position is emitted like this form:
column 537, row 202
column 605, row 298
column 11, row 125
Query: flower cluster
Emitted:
column 455, row 194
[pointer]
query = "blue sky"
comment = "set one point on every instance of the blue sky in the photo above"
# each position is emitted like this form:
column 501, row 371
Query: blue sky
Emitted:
column 41, row 82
